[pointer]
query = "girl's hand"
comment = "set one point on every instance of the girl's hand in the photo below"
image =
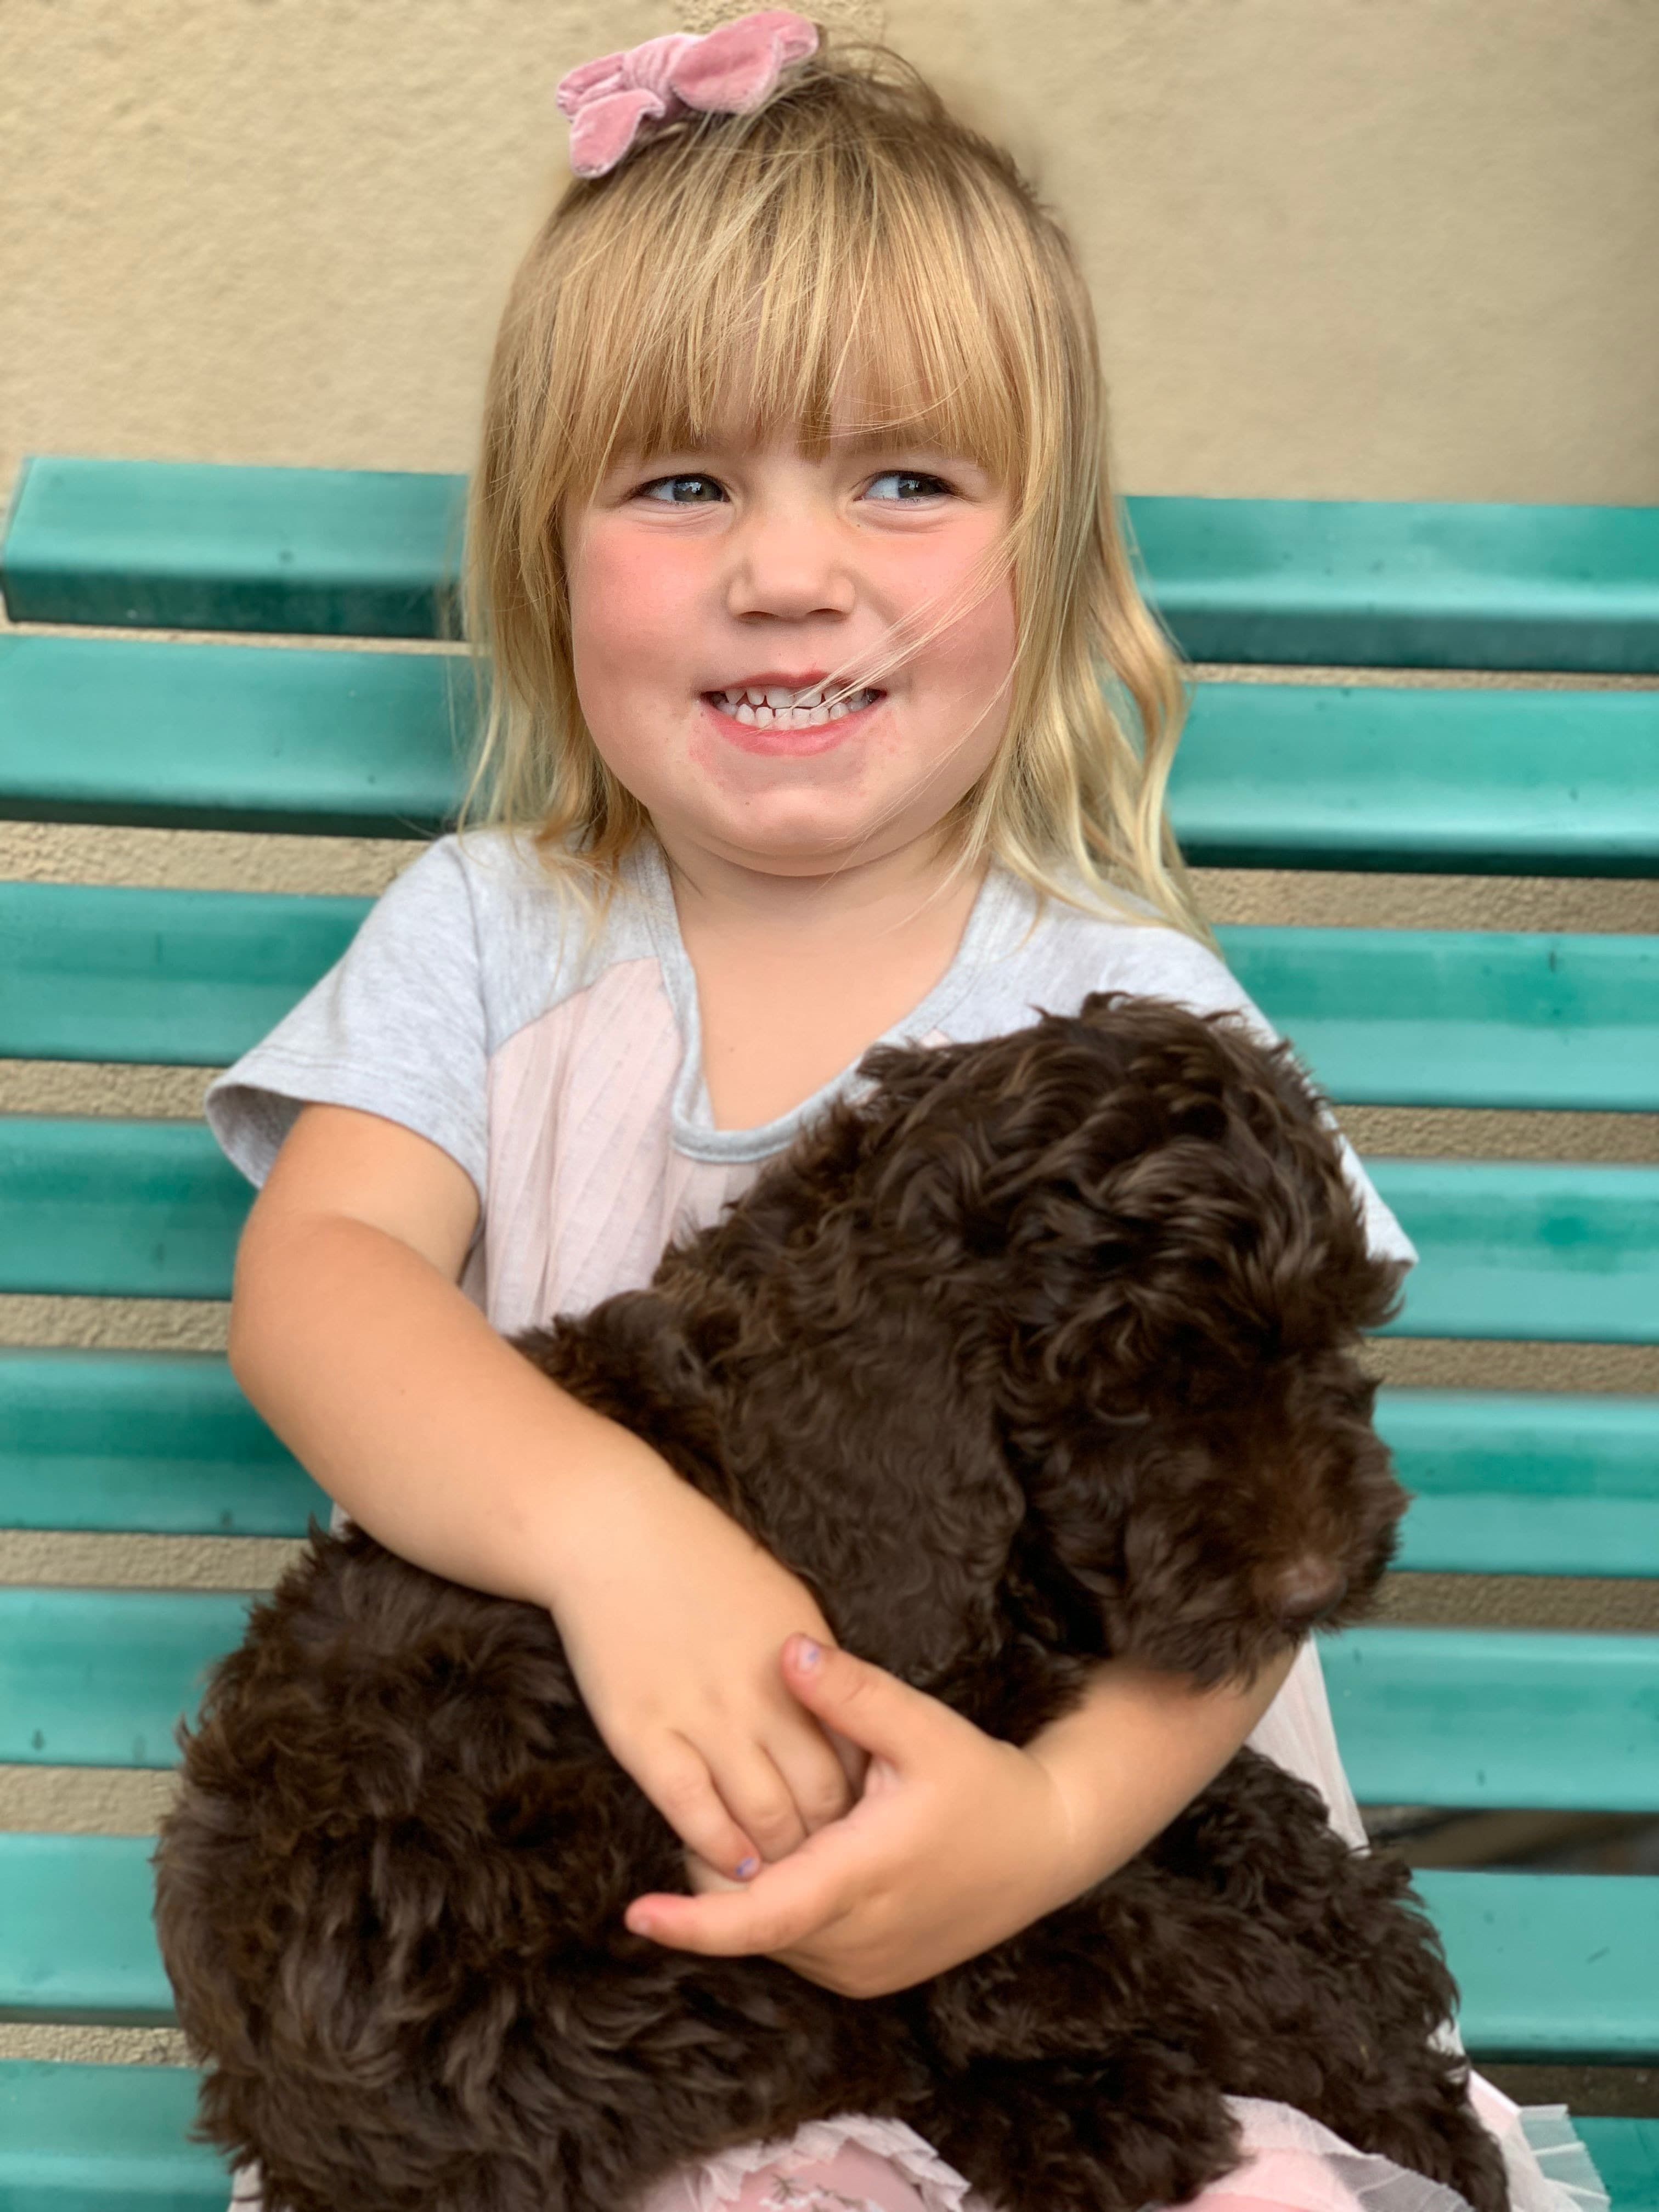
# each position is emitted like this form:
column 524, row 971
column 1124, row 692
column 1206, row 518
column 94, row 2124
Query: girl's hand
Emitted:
column 958, row 1841
column 673, row 1619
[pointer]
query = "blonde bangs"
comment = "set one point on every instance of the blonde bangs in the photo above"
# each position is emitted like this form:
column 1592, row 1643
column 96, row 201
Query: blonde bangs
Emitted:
column 673, row 329
column 848, row 262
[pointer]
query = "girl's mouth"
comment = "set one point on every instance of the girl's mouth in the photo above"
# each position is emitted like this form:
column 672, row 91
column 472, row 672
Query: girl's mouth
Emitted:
column 773, row 719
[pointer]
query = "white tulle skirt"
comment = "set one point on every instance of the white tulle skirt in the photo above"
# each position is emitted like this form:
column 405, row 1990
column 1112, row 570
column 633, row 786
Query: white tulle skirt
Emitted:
column 1290, row 2163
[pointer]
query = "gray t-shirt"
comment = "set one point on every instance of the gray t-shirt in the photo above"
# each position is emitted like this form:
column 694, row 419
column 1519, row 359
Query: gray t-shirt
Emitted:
column 560, row 1065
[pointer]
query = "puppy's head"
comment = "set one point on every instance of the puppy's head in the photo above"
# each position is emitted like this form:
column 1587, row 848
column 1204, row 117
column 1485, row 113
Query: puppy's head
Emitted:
column 1170, row 1276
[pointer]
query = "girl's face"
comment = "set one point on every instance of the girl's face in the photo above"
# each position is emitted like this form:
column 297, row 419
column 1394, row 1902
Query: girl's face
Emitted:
column 712, row 593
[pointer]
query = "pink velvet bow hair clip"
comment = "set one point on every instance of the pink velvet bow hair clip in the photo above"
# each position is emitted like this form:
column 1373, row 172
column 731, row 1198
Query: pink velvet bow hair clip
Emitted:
column 729, row 71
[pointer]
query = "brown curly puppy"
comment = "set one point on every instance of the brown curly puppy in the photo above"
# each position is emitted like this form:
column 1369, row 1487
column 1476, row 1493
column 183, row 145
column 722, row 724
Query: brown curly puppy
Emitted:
column 1041, row 1350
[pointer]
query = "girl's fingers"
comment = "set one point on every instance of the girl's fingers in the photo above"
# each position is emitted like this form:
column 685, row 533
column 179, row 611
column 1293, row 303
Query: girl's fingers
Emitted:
column 681, row 1787
column 759, row 1800
column 863, row 1703
column 783, row 1906
column 817, row 1776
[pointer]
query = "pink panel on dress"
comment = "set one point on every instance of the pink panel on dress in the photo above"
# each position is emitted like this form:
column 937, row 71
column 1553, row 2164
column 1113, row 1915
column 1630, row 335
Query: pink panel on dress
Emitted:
column 585, row 1186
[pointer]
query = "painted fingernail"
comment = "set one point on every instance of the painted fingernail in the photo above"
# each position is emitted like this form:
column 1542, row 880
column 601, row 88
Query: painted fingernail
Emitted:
column 746, row 1867
column 808, row 1654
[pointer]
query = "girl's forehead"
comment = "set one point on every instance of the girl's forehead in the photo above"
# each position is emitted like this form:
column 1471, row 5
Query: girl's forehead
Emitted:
column 694, row 390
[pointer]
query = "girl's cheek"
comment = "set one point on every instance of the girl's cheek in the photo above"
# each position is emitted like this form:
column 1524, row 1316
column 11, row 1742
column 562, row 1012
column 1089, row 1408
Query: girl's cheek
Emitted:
column 631, row 629
column 629, row 596
column 977, row 644
column 978, row 651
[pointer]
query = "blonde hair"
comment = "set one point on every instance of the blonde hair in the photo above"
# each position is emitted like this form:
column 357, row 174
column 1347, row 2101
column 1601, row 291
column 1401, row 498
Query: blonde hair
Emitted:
column 850, row 239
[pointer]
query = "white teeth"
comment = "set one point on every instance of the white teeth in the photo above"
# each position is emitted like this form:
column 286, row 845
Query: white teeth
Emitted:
column 776, row 708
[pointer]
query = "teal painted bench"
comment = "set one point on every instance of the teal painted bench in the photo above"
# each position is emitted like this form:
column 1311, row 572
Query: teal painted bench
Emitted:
column 1555, row 1968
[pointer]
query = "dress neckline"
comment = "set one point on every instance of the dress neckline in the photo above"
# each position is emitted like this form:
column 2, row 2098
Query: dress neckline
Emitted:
column 1002, row 912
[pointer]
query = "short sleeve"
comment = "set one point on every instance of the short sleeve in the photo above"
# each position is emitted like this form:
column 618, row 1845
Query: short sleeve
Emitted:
column 397, row 1027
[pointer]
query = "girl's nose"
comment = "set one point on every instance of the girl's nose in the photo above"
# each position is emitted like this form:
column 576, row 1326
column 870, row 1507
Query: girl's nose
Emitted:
column 789, row 563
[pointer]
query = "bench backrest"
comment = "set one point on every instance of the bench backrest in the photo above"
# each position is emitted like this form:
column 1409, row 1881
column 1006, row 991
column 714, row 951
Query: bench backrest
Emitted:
column 1323, row 774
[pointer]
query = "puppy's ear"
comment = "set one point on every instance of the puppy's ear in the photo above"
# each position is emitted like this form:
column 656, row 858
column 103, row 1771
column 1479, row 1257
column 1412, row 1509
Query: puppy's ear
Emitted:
column 1195, row 1222
column 1187, row 1266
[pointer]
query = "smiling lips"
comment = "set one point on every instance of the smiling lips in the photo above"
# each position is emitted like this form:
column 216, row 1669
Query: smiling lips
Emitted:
column 785, row 708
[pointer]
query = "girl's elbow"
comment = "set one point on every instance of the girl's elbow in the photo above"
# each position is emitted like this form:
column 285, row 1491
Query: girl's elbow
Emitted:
column 245, row 1334
column 240, row 1342
column 257, row 1300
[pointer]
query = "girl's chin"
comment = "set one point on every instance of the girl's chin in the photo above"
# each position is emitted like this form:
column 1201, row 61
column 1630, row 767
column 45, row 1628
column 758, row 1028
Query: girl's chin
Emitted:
column 799, row 839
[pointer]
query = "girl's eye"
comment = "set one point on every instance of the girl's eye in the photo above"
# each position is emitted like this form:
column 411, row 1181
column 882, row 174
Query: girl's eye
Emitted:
column 910, row 485
column 683, row 491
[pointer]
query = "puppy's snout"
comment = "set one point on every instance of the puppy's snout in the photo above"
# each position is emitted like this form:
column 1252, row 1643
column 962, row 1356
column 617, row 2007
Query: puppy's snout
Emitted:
column 1307, row 1591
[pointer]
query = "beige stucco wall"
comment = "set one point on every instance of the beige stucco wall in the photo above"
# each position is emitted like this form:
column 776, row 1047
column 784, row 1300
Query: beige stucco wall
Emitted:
column 1367, row 248
column 1342, row 248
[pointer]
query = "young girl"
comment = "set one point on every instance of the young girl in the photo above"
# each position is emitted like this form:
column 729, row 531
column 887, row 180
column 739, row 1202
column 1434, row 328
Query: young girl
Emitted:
column 822, row 710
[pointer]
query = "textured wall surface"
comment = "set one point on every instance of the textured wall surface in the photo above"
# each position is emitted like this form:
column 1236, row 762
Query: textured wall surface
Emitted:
column 1342, row 248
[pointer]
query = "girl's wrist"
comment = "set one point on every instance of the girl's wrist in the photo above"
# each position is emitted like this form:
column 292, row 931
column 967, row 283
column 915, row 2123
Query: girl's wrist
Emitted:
column 1078, row 1855
column 593, row 1508
column 1134, row 1753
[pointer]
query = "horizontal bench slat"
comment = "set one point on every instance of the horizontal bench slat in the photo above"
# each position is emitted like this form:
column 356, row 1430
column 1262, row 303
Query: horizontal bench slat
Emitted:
column 1467, row 1717
column 1381, row 1017
column 1521, row 1483
column 199, row 545
column 136, row 1209
column 1461, row 1017
column 101, row 1678
column 182, row 978
column 1553, row 1967
column 77, row 1942
column 84, row 2138
column 1567, row 1254
column 161, row 1443
column 1508, row 782
column 234, row 737
column 1387, row 583
column 1405, row 583
column 1563, row 1254
column 1526, row 1482
column 79, row 2138
column 1432, row 1717
column 225, row 737
column 1627, row 2156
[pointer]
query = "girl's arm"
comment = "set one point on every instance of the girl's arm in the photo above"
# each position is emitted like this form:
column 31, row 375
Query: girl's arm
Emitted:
column 959, row 1840
column 1139, row 1747
column 349, row 1335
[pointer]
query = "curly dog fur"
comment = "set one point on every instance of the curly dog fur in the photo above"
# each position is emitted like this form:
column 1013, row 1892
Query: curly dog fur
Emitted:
column 1039, row 1351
